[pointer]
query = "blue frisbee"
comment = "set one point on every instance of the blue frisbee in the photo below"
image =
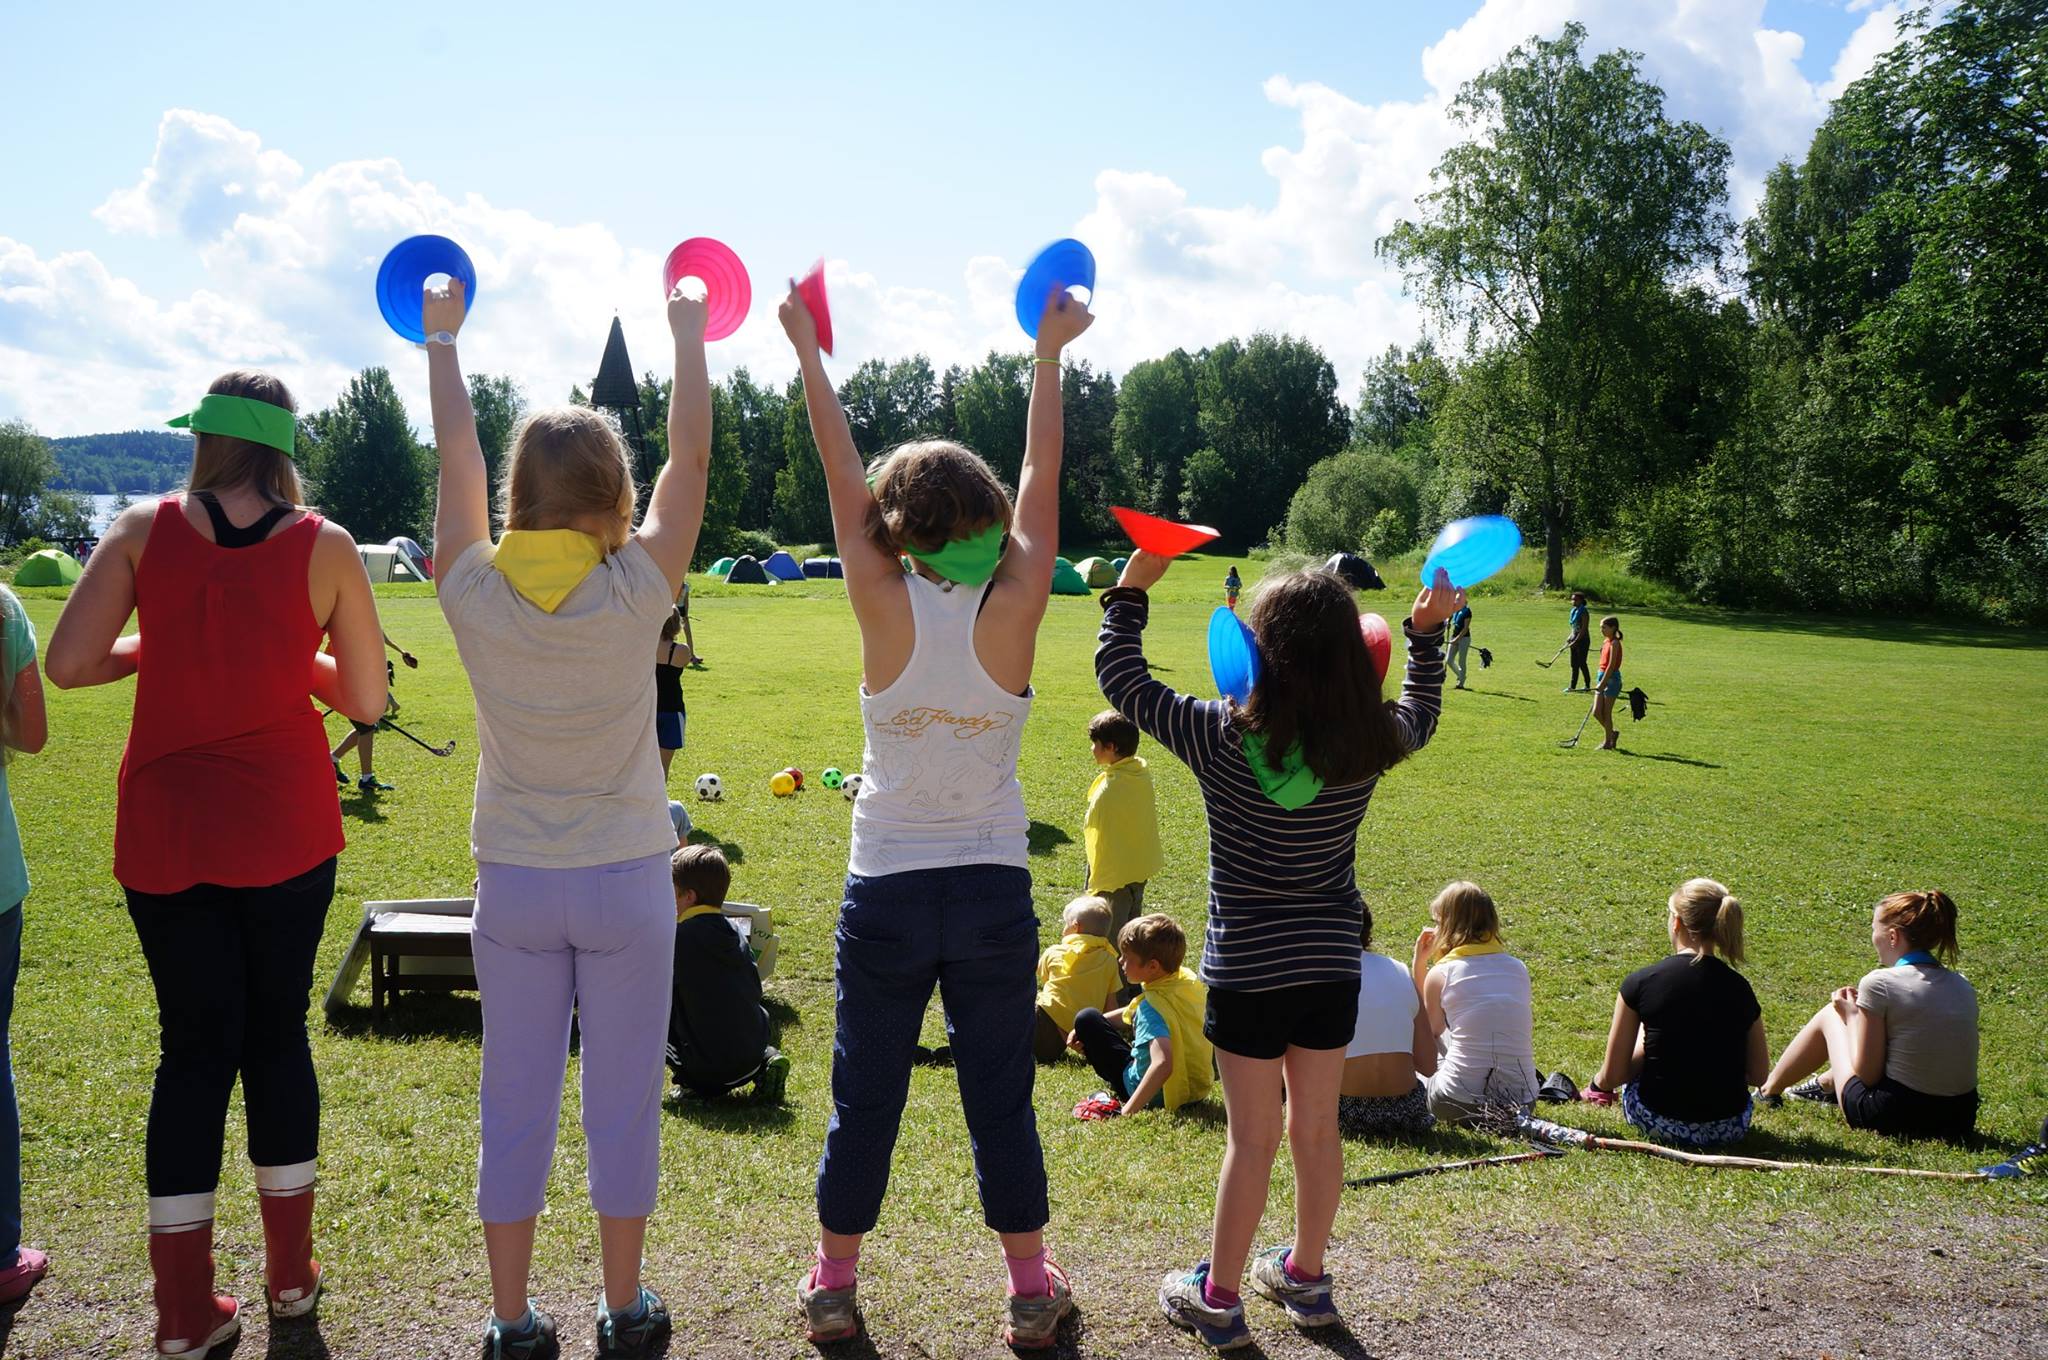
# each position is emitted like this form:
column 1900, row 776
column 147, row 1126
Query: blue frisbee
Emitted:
column 1233, row 655
column 403, row 276
column 1470, row 550
column 1066, row 263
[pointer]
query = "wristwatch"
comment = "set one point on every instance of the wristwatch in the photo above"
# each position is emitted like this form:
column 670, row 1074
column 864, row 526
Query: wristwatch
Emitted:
column 441, row 338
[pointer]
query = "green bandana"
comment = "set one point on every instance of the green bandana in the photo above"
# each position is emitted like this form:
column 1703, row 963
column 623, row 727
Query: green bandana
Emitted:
column 241, row 417
column 968, row 561
column 1293, row 785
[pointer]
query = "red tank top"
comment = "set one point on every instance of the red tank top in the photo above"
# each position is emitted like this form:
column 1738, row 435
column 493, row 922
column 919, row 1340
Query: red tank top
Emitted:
column 225, row 779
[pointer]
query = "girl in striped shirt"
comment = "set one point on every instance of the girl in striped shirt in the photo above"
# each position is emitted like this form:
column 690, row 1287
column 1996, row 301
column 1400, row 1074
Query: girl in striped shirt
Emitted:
column 1285, row 780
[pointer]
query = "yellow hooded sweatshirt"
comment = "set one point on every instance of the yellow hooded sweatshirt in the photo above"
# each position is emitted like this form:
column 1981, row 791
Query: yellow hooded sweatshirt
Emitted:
column 1180, row 1000
column 1078, row 972
column 1121, row 830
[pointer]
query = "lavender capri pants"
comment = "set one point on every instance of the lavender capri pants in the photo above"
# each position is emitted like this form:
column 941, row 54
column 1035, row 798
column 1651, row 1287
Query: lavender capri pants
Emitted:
column 601, row 941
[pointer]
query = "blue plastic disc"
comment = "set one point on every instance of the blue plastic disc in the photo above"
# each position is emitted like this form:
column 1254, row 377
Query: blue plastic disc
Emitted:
column 404, row 273
column 1233, row 655
column 1066, row 263
column 1471, row 550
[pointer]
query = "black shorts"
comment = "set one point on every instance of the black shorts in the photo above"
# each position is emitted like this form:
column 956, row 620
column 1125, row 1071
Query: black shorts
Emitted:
column 1894, row 1108
column 1267, row 1024
column 362, row 729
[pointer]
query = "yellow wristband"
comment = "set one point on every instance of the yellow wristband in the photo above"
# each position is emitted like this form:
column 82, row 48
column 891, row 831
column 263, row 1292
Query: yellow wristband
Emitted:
column 1054, row 362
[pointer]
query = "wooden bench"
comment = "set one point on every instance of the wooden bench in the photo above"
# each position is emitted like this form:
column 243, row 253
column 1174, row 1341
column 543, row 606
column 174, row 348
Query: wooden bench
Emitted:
column 399, row 935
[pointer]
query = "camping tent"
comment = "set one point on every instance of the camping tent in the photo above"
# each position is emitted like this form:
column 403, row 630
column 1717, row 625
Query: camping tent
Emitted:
column 414, row 553
column 824, row 569
column 1066, row 580
column 50, row 567
column 782, row 567
column 1119, row 564
column 721, row 566
column 1097, row 573
column 746, row 571
column 1356, row 571
column 387, row 564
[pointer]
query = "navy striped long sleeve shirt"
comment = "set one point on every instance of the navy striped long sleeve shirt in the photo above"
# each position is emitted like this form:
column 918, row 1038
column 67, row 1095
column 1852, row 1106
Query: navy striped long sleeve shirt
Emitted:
column 1284, row 908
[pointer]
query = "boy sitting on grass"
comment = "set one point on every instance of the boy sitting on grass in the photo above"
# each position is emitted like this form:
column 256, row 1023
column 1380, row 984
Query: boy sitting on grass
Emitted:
column 1076, row 973
column 717, row 1028
column 1167, row 1060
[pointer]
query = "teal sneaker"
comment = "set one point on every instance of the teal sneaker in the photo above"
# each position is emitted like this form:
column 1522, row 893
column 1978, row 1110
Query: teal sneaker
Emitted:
column 534, row 1341
column 1180, row 1298
column 639, row 1332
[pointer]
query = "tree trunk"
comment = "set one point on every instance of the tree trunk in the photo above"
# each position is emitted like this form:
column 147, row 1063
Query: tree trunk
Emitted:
column 1553, row 549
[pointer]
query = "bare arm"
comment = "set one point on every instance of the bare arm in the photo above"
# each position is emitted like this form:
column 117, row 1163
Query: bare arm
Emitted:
column 1621, row 1048
column 1424, row 1046
column 351, row 681
column 1035, row 528
column 462, row 508
column 28, row 721
column 1866, row 1040
column 1757, row 1065
column 1154, row 1080
column 87, row 647
column 1433, row 1004
column 675, row 509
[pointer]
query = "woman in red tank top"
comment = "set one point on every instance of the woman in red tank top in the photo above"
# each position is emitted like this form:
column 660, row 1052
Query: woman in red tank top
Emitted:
column 227, row 828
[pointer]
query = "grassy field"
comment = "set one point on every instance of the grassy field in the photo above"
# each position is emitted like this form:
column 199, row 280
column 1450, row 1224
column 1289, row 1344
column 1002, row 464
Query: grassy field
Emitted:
column 1812, row 764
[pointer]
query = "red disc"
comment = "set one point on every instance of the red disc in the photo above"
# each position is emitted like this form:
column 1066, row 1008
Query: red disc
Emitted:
column 1379, row 640
column 811, row 288
column 728, row 293
column 1162, row 536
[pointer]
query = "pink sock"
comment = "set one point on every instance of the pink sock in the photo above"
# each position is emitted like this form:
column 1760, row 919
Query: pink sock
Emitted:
column 1027, row 1275
column 1287, row 1264
column 1218, row 1297
column 834, row 1272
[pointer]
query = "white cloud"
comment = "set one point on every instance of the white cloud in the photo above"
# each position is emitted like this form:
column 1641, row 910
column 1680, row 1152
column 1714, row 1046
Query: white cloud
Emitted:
column 1875, row 36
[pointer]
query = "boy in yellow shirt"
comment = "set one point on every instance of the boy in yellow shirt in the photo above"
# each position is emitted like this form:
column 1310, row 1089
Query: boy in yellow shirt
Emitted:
column 1078, row 972
column 1121, row 830
column 1167, row 1060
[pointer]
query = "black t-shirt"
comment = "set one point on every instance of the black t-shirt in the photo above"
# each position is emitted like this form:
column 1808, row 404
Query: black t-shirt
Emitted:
column 1696, row 1020
column 716, row 1026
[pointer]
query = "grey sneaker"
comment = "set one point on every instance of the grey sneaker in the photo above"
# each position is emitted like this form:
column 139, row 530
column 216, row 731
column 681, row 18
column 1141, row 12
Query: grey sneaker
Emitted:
column 631, row 1337
column 829, row 1314
column 1180, row 1298
column 536, row 1341
column 1035, row 1319
column 1307, row 1302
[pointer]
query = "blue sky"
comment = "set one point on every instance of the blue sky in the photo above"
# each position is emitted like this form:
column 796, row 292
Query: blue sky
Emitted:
column 1231, row 165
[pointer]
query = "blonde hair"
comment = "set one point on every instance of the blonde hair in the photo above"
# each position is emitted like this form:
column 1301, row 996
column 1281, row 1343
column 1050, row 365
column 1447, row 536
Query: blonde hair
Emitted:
column 1926, row 919
column 1464, row 915
column 1086, row 916
column 565, row 463
column 221, row 461
column 1156, row 938
column 1709, row 914
column 931, row 491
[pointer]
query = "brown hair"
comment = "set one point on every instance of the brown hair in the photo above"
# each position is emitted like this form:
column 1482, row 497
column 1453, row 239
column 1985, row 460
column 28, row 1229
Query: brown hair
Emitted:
column 1464, row 914
column 1112, row 729
column 1156, row 938
column 701, row 869
column 567, row 462
column 1365, row 926
column 220, row 461
column 1087, row 915
column 1926, row 919
column 1711, row 916
column 929, row 492
column 672, row 625
column 1317, row 686
column 1611, row 621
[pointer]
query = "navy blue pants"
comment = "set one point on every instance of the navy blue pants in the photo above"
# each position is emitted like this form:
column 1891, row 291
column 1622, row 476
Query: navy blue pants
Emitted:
column 971, row 933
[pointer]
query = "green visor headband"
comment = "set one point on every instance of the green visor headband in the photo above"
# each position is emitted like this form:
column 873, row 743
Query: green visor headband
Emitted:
column 968, row 561
column 242, row 418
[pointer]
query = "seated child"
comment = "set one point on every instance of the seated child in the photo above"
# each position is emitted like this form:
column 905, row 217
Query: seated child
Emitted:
column 1390, row 1052
column 1073, row 975
column 1901, row 1045
column 1167, row 1060
column 1120, row 832
column 1688, row 1035
column 717, row 1029
column 1476, row 998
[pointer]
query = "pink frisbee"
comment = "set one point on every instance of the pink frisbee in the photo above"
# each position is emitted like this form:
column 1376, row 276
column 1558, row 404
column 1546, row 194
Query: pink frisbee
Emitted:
column 811, row 288
column 727, row 291
column 1379, row 641
column 1161, row 536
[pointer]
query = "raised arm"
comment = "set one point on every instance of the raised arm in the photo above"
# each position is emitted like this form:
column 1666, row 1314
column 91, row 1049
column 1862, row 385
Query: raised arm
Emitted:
column 675, row 509
column 1422, row 688
column 1035, row 528
column 1184, row 725
column 462, row 505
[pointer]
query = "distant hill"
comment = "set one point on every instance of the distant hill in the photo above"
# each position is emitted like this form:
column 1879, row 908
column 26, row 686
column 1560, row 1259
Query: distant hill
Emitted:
column 132, row 460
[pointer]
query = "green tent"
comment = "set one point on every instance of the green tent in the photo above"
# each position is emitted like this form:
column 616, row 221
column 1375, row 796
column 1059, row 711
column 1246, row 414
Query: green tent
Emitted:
column 1067, row 581
column 50, row 567
column 721, row 566
column 1097, row 573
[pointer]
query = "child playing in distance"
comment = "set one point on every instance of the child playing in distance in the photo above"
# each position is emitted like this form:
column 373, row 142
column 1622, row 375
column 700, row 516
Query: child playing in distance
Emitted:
column 1477, row 1000
column 1073, row 975
column 1120, row 832
column 574, row 910
column 362, row 737
column 938, row 880
column 1167, row 1061
column 1285, row 780
column 1459, row 634
column 1391, row 1051
column 670, row 717
column 1901, row 1045
column 1580, row 639
column 1687, row 1040
column 1607, row 684
column 1232, row 585
column 717, row 1028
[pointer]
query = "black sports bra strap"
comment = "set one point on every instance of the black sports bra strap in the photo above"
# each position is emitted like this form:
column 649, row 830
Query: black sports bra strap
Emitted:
column 226, row 535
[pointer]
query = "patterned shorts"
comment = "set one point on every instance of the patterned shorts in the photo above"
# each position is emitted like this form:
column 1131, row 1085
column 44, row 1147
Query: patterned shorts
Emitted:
column 1363, row 1116
column 1677, row 1132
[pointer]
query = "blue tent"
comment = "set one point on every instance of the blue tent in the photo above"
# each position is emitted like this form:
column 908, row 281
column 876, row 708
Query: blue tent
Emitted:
column 824, row 569
column 782, row 567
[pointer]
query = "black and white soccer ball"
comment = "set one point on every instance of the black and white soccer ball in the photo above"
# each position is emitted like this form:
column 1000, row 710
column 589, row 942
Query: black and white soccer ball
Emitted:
column 710, row 788
column 850, row 790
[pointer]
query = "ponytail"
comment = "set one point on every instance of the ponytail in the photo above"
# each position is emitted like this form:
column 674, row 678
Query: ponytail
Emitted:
column 1614, row 622
column 1711, row 915
column 1927, row 920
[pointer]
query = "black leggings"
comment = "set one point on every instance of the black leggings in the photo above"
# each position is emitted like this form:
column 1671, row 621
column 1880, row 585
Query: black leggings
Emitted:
column 1106, row 1048
column 232, row 968
column 1579, row 651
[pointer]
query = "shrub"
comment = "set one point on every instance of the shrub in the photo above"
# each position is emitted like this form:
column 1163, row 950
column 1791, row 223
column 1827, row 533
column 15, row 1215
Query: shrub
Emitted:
column 1351, row 498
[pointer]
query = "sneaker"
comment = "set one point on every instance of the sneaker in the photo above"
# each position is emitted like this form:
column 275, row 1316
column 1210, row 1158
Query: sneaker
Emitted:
column 370, row 783
column 1180, row 1298
column 640, row 1331
column 535, row 1341
column 771, row 1084
column 339, row 777
column 1035, row 1319
column 829, row 1314
column 27, row 1271
column 1815, row 1090
column 1308, row 1302
column 1770, row 1102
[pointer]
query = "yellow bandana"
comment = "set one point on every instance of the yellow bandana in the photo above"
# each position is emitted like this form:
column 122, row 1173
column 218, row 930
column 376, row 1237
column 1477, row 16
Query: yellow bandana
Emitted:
column 701, row 909
column 1490, row 945
column 544, row 565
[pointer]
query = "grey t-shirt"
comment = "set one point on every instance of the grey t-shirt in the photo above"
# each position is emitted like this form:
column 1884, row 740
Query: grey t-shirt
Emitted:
column 568, row 774
column 1930, row 1026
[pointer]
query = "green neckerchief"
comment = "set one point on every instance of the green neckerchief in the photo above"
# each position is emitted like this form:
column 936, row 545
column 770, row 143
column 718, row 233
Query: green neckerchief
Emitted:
column 241, row 417
column 1293, row 785
column 968, row 561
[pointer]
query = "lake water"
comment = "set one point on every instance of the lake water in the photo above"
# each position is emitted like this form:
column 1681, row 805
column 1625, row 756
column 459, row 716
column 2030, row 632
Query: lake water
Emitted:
column 103, row 508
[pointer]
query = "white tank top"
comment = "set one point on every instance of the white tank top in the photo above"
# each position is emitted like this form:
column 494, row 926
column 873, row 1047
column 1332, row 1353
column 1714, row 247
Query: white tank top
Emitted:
column 1387, row 1003
column 939, row 776
column 1488, row 1047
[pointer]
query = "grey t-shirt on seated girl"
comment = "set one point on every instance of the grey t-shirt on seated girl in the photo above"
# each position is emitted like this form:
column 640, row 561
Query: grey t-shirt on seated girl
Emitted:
column 1930, row 1026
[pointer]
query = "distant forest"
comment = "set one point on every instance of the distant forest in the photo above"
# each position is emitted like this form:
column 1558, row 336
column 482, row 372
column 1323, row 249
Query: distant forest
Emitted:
column 133, row 460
